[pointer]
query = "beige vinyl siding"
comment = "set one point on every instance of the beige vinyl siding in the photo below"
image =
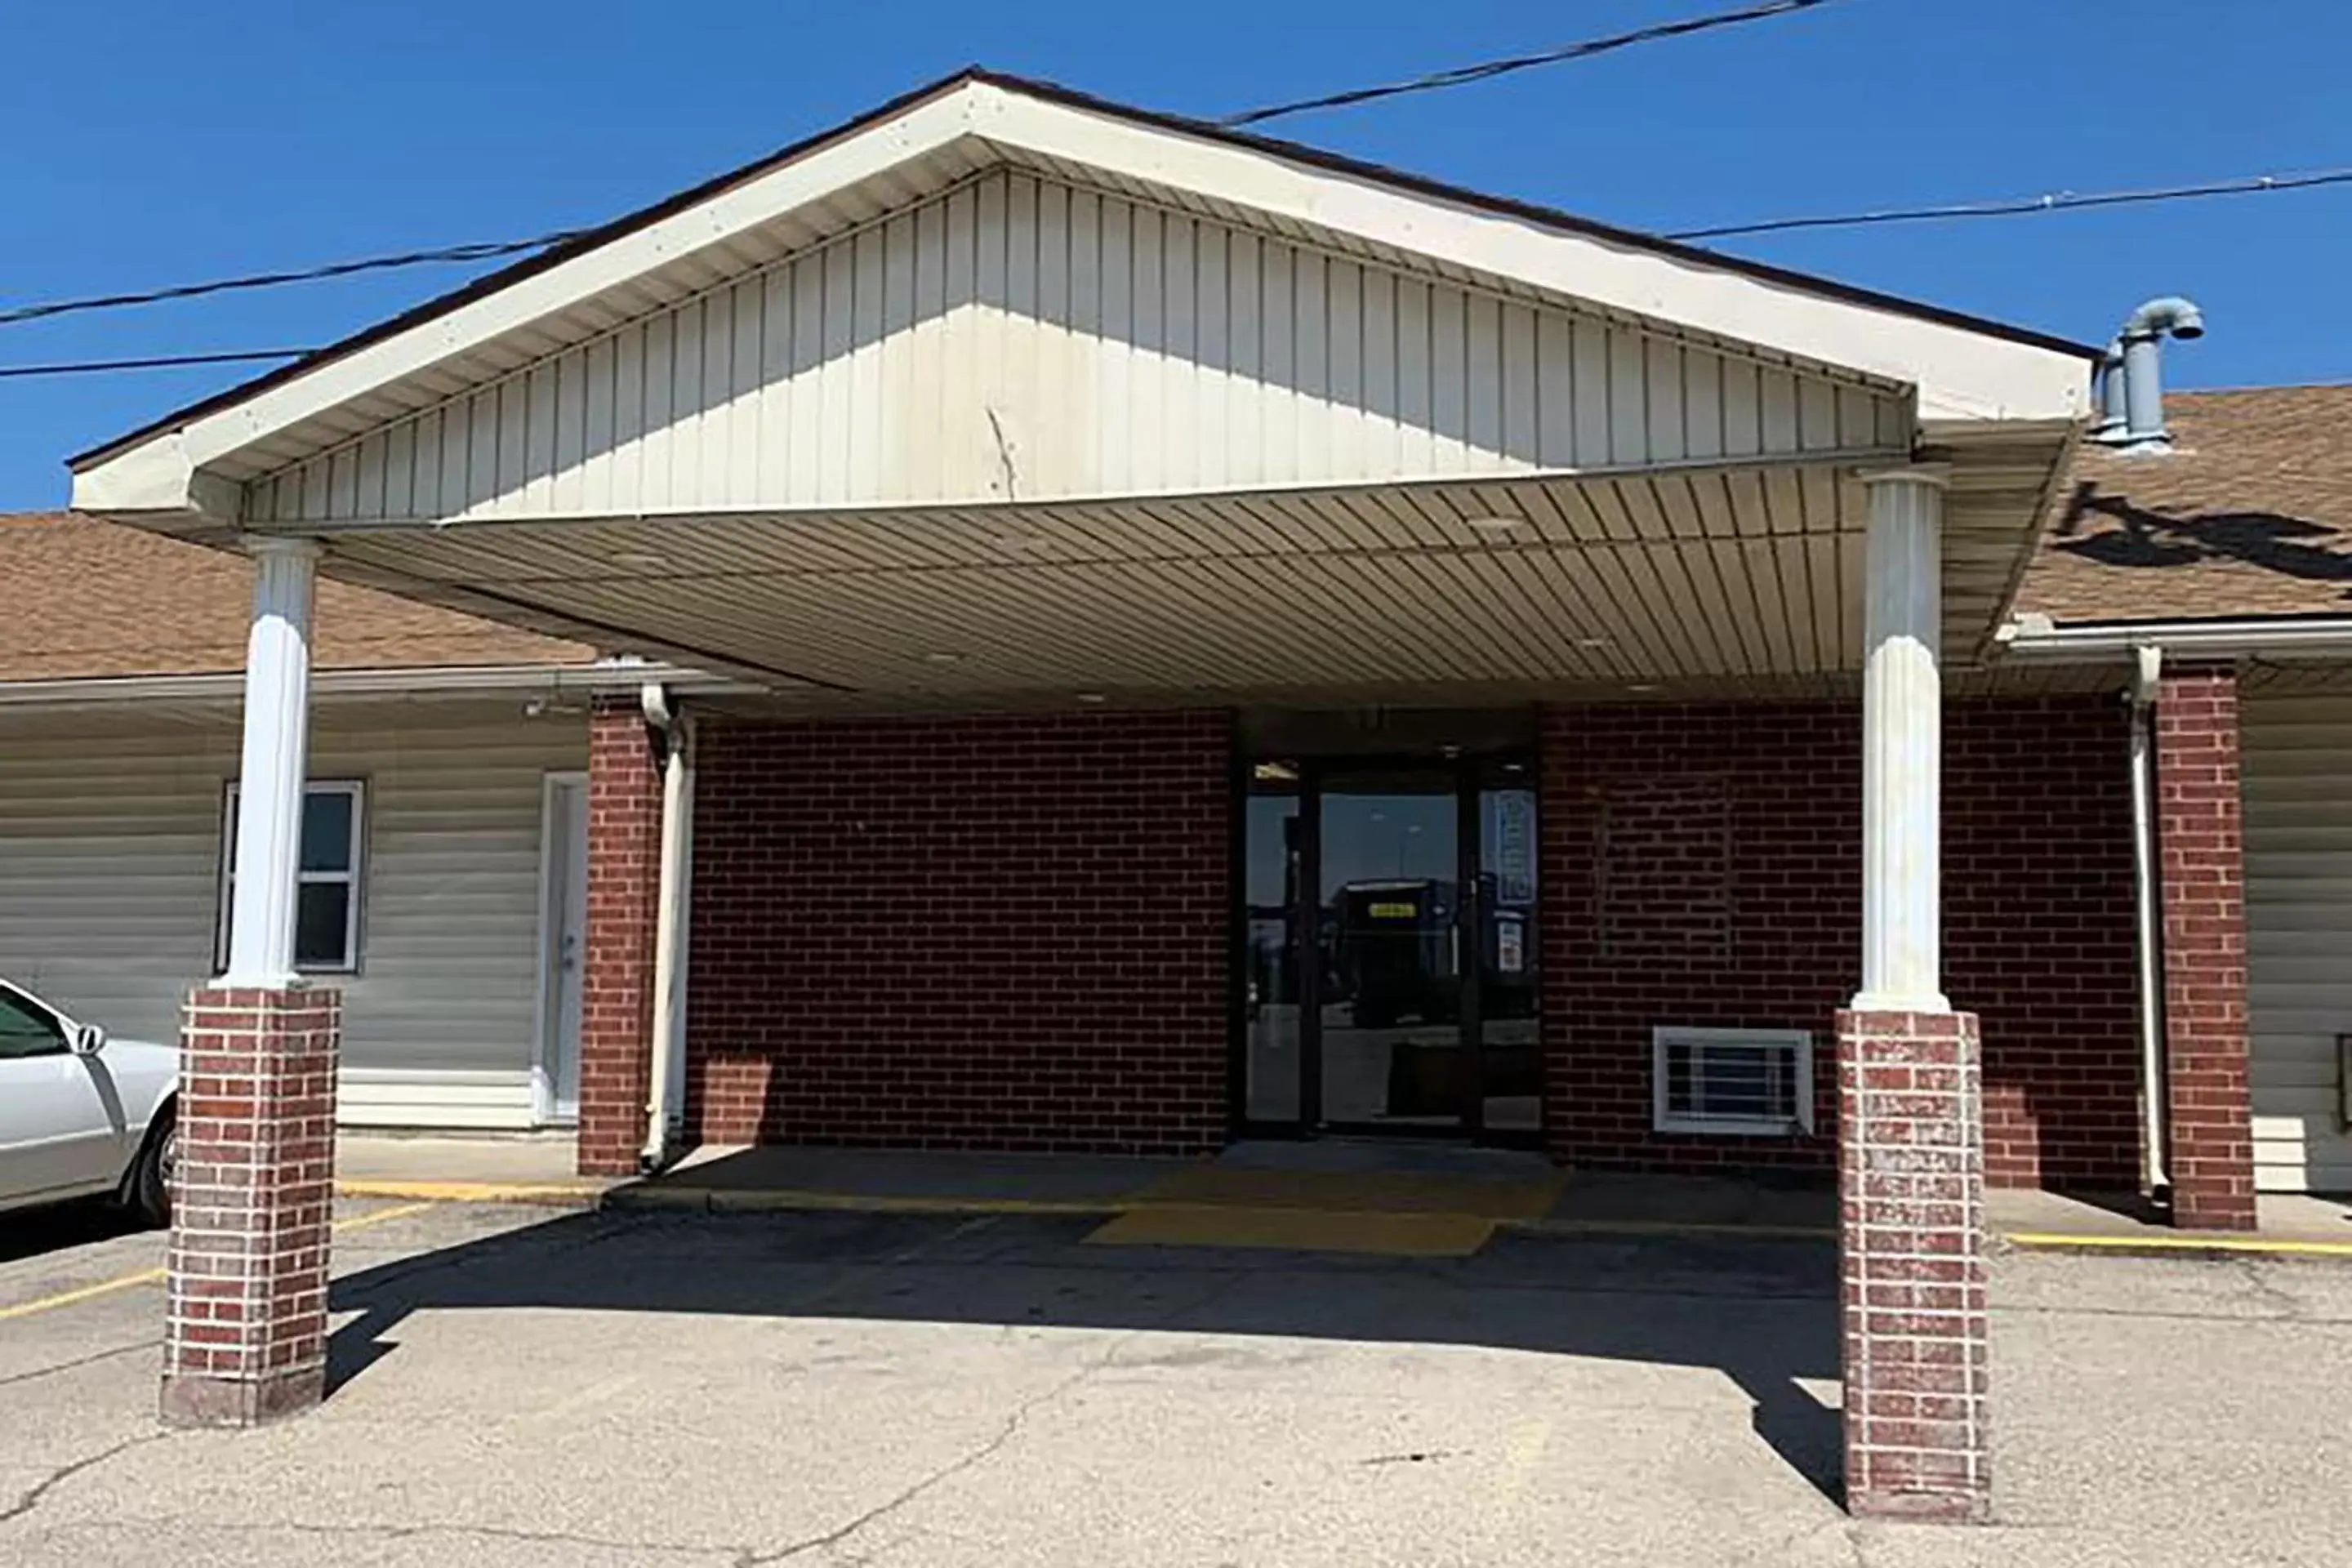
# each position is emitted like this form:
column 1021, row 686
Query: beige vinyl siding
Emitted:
column 109, row 839
column 1018, row 338
column 2297, row 783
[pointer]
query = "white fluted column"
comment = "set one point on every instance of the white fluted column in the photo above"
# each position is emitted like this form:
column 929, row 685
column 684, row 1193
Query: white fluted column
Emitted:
column 1902, row 739
column 270, row 778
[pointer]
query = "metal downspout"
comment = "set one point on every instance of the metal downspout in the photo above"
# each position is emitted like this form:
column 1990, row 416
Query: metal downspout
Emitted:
column 2155, row 1139
column 669, row 914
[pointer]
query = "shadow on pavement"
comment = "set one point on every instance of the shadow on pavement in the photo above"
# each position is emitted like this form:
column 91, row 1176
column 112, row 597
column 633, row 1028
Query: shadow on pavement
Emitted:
column 1763, row 1312
column 54, row 1227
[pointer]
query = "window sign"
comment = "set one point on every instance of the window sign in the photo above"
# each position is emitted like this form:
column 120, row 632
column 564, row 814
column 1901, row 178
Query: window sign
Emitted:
column 1513, row 838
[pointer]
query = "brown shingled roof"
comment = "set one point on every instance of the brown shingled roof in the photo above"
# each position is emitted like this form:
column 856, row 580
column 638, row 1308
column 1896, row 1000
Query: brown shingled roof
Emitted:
column 2251, row 514
column 92, row 598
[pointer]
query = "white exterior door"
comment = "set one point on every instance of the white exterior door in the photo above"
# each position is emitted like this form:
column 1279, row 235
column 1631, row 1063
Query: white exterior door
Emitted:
column 58, row 1134
column 563, row 926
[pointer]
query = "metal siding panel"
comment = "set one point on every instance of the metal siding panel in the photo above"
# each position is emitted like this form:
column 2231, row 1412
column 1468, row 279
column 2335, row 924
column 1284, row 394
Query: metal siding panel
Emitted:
column 1148, row 365
column 745, row 364
column 1521, row 403
column 1449, row 370
column 570, row 430
column 1278, row 362
column 1114, row 371
column 1628, row 397
column 598, row 428
column 1182, row 372
column 2297, row 753
column 513, row 394
column 689, row 445
column 660, row 380
column 1702, row 422
column 628, row 419
column 1212, row 378
column 805, row 479
column 1662, row 412
column 1415, row 378
column 109, row 839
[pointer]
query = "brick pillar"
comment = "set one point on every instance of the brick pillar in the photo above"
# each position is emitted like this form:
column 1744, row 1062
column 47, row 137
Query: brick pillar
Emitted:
column 616, row 1009
column 2198, row 844
column 1911, row 1235
column 252, row 1202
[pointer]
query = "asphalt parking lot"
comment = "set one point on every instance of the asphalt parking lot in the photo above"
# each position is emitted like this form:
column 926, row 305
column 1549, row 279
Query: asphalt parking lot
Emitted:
column 530, row 1386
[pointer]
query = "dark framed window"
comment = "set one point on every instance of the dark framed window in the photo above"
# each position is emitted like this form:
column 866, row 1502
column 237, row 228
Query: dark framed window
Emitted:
column 328, row 890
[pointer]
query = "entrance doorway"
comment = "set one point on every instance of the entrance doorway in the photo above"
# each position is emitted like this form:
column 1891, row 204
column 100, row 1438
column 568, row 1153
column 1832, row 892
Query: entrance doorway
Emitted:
column 1391, row 954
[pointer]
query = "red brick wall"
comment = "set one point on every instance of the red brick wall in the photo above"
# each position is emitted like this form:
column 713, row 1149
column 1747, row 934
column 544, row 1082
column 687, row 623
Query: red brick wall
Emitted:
column 252, row 1202
column 1008, row 933
column 2199, row 838
column 623, row 891
column 2040, row 938
column 1702, row 866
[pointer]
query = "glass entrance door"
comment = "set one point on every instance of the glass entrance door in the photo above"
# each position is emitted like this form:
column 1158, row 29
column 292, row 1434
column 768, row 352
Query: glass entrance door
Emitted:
column 1388, row 895
column 1389, row 950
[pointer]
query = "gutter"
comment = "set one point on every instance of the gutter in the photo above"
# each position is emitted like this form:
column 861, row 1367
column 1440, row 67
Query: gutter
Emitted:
column 2155, row 1097
column 448, row 683
column 2299, row 636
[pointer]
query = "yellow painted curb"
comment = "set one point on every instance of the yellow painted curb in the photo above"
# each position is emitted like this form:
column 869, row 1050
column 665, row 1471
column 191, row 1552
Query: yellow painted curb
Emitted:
column 472, row 1192
column 2058, row 1241
column 157, row 1276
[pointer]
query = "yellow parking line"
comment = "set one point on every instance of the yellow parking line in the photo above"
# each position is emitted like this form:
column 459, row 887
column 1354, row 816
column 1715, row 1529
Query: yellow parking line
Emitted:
column 471, row 1192
column 87, row 1293
column 2058, row 1241
column 156, row 1275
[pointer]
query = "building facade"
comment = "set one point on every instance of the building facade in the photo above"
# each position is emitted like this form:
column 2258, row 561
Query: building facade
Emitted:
column 1227, row 641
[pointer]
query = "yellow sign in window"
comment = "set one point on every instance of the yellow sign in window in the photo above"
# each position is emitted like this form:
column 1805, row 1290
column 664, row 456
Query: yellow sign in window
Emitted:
column 1395, row 911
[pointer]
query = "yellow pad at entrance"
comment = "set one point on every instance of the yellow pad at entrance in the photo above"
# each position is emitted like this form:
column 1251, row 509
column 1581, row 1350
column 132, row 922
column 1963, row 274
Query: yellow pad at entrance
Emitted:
column 1357, row 1192
column 1396, row 1234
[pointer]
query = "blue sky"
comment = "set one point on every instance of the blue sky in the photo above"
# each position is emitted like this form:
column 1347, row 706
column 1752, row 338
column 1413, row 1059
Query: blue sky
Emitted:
column 153, row 141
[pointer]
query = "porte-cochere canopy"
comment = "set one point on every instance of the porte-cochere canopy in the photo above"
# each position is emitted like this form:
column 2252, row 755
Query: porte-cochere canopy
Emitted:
column 1000, row 393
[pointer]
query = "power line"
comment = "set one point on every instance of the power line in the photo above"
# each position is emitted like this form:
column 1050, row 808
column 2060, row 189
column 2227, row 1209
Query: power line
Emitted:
column 482, row 251
column 2018, row 207
column 487, row 250
column 1462, row 75
column 159, row 362
column 2061, row 201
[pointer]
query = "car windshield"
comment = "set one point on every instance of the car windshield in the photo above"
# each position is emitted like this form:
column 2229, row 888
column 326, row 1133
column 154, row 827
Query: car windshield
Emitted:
column 26, row 1026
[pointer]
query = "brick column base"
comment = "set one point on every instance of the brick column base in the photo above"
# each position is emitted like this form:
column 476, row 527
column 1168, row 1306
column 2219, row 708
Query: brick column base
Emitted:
column 252, row 1202
column 1911, row 1238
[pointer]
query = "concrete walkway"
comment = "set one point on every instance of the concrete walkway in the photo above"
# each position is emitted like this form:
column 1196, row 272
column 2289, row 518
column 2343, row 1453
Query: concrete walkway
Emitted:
column 502, row 1167
column 1508, row 1190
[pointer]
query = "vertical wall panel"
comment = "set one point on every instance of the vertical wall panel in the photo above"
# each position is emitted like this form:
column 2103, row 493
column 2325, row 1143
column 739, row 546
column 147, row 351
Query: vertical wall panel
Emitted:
column 1018, row 331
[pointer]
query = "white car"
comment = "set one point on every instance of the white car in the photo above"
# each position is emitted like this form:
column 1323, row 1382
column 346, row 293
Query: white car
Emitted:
column 81, row 1114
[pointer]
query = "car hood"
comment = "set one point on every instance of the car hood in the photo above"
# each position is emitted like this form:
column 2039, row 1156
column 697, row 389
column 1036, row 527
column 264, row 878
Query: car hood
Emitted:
column 145, row 1075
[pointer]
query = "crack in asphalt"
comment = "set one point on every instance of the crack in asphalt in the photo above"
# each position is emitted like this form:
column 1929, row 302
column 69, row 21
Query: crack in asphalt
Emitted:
column 2291, row 1309
column 90, row 1360
column 41, row 1489
column 411, row 1532
column 1013, row 1421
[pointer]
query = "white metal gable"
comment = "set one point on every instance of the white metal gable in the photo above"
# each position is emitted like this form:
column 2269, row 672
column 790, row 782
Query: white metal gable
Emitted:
column 1020, row 339
column 918, row 148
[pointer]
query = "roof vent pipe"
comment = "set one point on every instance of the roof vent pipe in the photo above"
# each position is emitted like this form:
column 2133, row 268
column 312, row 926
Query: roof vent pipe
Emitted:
column 2143, row 337
column 2108, row 395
